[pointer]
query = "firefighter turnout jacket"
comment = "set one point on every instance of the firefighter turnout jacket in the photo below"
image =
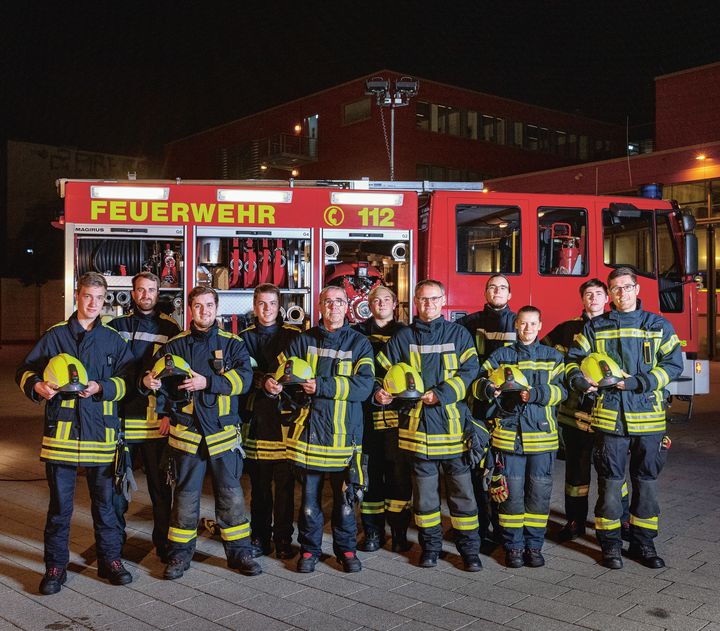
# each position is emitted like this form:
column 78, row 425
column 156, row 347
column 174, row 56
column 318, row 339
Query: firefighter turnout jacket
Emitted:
column 647, row 349
column 530, row 427
column 491, row 329
column 80, row 431
column 377, row 419
column 325, row 434
column 445, row 356
column 575, row 410
column 146, row 335
column 263, row 432
column 212, row 414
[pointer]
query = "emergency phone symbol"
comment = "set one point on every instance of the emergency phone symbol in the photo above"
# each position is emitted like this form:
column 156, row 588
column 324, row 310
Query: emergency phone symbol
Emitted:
column 334, row 216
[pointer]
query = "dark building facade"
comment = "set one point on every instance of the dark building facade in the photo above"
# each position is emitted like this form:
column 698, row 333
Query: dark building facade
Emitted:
column 445, row 133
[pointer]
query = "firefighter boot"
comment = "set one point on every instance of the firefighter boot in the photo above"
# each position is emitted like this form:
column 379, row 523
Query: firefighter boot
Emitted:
column 245, row 564
column 115, row 572
column 533, row 557
column 53, row 580
column 429, row 558
column 571, row 530
column 472, row 563
column 400, row 541
column 307, row 562
column 612, row 555
column 371, row 542
column 514, row 558
column 350, row 563
column 284, row 549
column 645, row 553
column 175, row 568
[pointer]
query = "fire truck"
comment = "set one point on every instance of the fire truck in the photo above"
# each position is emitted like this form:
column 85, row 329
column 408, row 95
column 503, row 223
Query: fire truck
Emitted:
column 301, row 236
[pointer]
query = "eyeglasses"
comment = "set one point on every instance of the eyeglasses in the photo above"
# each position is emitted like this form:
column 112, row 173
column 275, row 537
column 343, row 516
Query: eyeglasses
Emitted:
column 337, row 302
column 427, row 299
column 497, row 288
column 622, row 288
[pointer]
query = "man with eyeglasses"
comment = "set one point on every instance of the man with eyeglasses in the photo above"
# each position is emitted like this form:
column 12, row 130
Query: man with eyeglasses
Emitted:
column 574, row 418
column 491, row 328
column 629, row 416
column 325, row 437
column 389, row 486
column 439, row 432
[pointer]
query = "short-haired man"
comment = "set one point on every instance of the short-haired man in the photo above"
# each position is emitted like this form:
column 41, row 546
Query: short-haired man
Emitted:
column 147, row 330
column 435, row 433
column 389, row 486
column 491, row 328
column 205, row 435
column 271, row 513
column 629, row 417
column 325, row 437
column 81, row 430
column 524, row 436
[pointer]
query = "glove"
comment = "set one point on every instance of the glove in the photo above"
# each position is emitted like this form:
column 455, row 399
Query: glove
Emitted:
column 238, row 442
column 476, row 451
column 632, row 383
column 499, row 488
column 533, row 395
column 126, row 484
column 580, row 384
column 354, row 493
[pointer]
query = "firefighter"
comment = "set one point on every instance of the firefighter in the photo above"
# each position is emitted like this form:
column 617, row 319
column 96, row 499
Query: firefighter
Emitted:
column 147, row 330
column 205, row 434
column 389, row 485
column 491, row 328
column 628, row 416
column 524, row 383
column 325, row 435
column 264, row 433
column 81, row 390
column 436, row 431
column 576, row 435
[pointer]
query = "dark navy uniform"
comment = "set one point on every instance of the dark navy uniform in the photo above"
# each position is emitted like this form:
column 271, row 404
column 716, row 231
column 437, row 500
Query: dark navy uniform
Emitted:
column 633, row 420
column 525, row 439
column 205, row 434
column 491, row 329
column 264, row 435
column 146, row 335
column 327, row 434
column 80, row 432
column 389, row 473
column 576, row 433
column 436, row 436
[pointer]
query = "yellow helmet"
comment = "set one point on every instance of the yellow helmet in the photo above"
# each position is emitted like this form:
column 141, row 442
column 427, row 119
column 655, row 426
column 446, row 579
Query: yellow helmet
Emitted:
column 509, row 379
column 602, row 369
column 171, row 365
column 294, row 371
column 403, row 382
column 66, row 372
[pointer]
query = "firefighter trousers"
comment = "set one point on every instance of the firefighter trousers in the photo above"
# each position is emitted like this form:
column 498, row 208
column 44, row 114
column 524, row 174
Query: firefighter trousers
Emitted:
column 311, row 520
column 647, row 455
column 389, row 486
column 579, row 447
column 272, row 499
column 61, row 480
column 524, row 514
column 158, row 488
column 225, row 472
column 460, row 500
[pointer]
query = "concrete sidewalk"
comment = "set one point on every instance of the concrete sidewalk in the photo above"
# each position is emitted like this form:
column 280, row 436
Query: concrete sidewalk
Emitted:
column 571, row 592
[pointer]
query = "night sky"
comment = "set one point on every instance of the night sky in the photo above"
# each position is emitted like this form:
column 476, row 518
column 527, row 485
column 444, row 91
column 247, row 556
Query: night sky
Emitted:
column 126, row 77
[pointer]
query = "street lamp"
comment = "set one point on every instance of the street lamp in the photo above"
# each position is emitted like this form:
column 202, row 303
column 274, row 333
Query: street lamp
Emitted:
column 405, row 89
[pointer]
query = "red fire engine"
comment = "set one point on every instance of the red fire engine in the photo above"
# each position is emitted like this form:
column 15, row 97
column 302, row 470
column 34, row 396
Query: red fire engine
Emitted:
column 358, row 234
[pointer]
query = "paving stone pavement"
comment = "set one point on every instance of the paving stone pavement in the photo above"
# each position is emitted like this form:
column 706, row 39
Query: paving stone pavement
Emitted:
column 571, row 592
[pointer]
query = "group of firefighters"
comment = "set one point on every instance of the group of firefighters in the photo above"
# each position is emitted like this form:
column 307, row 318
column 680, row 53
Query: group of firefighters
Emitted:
column 379, row 409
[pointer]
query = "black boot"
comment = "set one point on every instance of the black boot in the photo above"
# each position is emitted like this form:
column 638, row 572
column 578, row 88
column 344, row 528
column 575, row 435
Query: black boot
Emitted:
column 612, row 555
column 514, row 558
column 115, row 572
column 53, row 580
column 400, row 541
column 533, row 557
column 371, row 542
column 572, row 530
column 646, row 554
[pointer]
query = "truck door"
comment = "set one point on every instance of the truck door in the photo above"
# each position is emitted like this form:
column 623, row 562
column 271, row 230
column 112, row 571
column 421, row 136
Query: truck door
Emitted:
column 474, row 236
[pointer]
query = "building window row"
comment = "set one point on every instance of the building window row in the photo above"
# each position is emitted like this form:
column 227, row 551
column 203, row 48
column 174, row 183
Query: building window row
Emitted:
column 453, row 121
column 437, row 173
